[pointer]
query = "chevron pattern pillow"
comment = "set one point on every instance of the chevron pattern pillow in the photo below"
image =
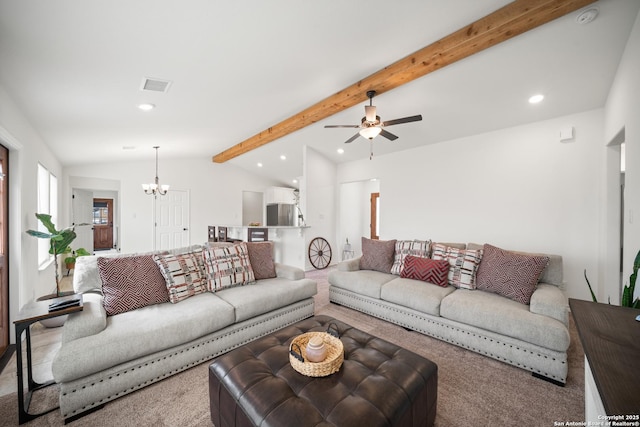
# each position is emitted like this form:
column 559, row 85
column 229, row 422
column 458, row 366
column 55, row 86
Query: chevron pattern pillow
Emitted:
column 183, row 273
column 228, row 266
column 510, row 274
column 129, row 283
column 418, row 248
column 426, row 269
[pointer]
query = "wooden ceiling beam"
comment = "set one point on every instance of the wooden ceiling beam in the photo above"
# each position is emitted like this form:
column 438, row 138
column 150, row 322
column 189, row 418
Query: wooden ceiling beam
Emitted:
column 505, row 23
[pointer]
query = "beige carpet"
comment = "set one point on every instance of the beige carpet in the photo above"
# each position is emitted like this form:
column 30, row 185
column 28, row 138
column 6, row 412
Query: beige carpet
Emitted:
column 473, row 390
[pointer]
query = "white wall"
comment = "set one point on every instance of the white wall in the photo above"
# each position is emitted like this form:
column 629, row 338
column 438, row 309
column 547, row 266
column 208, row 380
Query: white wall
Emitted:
column 26, row 150
column 215, row 194
column 354, row 213
column 517, row 188
column 319, row 201
column 622, row 111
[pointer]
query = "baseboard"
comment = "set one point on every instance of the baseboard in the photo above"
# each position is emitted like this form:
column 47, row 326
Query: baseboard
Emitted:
column 4, row 360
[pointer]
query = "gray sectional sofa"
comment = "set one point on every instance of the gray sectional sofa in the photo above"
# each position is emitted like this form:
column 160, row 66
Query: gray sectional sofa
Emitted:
column 104, row 357
column 533, row 336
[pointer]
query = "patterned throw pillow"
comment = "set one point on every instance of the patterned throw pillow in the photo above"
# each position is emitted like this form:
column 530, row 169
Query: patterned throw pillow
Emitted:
column 261, row 259
column 228, row 266
column 183, row 273
column 510, row 274
column 129, row 283
column 377, row 255
column 426, row 269
column 463, row 264
column 418, row 248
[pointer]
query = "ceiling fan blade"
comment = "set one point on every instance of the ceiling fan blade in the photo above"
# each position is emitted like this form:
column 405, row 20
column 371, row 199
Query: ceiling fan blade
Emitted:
column 353, row 138
column 342, row 126
column 388, row 135
column 402, row 120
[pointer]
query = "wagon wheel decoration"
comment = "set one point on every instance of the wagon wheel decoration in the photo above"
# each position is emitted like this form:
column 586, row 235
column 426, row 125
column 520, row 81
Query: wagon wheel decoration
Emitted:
column 319, row 253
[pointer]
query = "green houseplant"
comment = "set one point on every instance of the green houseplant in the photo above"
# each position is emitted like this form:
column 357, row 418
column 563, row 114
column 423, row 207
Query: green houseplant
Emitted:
column 628, row 290
column 59, row 241
column 70, row 259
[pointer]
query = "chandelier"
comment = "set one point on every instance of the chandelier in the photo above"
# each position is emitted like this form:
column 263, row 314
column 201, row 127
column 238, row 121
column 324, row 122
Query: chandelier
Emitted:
column 155, row 188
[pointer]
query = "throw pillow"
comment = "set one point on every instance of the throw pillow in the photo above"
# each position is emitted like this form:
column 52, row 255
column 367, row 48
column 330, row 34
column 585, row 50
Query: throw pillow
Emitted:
column 463, row 265
column 510, row 274
column 228, row 266
column 377, row 255
column 419, row 248
column 183, row 274
column 261, row 259
column 129, row 283
column 426, row 269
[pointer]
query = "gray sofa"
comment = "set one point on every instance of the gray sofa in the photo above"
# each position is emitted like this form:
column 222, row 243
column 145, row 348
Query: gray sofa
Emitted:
column 104, row 357
column 533, row 337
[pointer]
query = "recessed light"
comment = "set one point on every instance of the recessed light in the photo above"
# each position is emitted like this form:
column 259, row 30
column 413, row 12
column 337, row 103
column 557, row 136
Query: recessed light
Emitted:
column 295, row 181
column 283, row 157
column 146, row 107
column 536, row 99
column 340, row 150
column 259, row 165
column 587, row 16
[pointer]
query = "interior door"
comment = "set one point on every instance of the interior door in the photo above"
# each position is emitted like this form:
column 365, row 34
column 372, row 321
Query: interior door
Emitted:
column 374, row 215
column 82, row 205
column 4, row 251
column 102, row 224
column 172, row 220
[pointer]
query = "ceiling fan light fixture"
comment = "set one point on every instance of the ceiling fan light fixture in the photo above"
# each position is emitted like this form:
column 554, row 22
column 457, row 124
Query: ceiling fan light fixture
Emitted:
column 370, row 132
column 370, row 113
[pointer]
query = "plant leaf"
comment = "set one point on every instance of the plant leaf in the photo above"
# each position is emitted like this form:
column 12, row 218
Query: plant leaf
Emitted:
column 38, row 234
column 593, row 296
column 45, row 219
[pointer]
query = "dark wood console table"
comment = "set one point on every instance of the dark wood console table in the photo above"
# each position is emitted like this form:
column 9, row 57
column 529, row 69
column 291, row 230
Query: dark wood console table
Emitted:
column 28, row 315
column 610, row 336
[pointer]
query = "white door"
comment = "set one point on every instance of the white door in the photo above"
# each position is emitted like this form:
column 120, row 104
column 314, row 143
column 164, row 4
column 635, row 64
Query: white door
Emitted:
column 172, row 220
column 82, row 204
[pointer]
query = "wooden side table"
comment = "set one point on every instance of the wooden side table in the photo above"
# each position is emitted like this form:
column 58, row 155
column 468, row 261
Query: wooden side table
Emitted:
column 28, row 315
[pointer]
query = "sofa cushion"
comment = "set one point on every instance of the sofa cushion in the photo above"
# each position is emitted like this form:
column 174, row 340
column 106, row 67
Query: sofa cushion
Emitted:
column 426, row 269
column 142, row 332
column 377, row 255
column 261, row 259
column 266, row 295
column 365, row 282
column 510, row 274
column 463, row 264
column 184, row 275
column 228, row 266
column 129, row 283
column 415, row 294
column 498, row 314
column 403, row 248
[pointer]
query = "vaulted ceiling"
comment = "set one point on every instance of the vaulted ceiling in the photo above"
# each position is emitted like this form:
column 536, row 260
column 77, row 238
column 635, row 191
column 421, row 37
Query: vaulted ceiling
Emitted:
column 75, row 69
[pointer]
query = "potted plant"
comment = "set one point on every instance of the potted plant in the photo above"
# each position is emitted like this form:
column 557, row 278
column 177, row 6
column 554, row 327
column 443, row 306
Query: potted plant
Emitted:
column 59, row 242
column 628, row 290
column 70, row 259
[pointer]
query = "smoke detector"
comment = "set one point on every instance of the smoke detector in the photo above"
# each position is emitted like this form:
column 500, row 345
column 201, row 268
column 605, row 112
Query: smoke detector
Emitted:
column 587, row 15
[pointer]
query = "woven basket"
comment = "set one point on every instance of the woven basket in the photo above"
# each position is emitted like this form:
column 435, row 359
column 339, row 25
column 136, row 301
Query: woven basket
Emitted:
column 331, row 364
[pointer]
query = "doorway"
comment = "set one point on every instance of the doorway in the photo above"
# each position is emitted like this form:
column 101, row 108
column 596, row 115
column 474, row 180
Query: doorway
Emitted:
column 375, row 209
column 4, row 251
column 172, row 220
column 102, row 224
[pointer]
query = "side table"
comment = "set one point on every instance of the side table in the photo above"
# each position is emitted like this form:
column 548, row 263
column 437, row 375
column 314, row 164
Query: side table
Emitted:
column 28, row 315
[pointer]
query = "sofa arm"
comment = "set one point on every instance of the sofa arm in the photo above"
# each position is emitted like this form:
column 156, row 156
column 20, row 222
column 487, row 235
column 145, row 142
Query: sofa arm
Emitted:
column 550, row 300
column 289, row 272
column 90, row 321
column 352, row 264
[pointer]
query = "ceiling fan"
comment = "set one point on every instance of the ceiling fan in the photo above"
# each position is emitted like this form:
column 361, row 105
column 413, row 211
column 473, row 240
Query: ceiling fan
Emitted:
column 371, row 126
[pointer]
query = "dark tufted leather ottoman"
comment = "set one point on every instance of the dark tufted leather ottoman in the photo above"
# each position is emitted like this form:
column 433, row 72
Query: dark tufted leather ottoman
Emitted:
column 379, row 384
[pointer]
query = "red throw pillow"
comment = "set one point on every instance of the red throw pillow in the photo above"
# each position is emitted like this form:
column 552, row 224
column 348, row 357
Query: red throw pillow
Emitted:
column 426, row 269
column 129, row 283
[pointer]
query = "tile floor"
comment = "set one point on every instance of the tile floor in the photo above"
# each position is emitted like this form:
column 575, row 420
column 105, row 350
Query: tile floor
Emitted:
column 45, row 343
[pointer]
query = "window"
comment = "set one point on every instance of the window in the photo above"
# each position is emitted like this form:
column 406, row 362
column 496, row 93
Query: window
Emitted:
column 48, row 204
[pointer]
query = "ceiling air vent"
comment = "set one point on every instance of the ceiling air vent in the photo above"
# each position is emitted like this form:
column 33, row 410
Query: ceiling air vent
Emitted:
column 155, row 85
